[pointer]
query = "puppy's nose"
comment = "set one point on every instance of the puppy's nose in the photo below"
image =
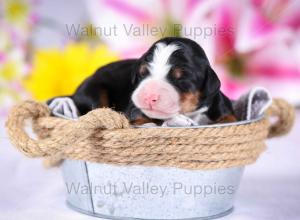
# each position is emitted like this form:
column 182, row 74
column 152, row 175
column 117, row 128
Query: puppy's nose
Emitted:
column 151, row 99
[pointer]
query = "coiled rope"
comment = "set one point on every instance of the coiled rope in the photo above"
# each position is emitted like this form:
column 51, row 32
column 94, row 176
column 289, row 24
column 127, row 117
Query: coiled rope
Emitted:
column 105, row 136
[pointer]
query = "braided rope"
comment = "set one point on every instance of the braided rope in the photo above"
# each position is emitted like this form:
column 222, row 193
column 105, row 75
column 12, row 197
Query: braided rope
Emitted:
column 105, row 136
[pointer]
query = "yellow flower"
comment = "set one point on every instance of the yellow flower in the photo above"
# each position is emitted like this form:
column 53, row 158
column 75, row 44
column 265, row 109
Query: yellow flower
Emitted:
column 59, row 72
column 13, row 67
column 9, row 70
column 16, row 10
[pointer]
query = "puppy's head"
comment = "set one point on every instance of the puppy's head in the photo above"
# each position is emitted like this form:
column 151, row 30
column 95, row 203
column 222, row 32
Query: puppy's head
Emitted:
column 173, row 76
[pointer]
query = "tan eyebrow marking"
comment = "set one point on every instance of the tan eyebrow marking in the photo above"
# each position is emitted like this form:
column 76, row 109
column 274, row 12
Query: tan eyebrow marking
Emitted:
column 143, row 68
column 177, row 72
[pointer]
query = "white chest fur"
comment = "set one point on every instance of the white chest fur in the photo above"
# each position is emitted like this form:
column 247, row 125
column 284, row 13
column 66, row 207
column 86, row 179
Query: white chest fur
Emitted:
column 199, row 117
column 189, row 119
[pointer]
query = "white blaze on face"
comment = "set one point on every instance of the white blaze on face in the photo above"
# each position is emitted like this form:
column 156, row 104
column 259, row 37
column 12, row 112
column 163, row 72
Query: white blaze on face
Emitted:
column 159, row 67
column 155, row 96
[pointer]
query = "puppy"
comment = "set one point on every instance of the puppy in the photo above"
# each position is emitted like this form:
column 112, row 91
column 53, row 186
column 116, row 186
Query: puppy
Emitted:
column 173, row 77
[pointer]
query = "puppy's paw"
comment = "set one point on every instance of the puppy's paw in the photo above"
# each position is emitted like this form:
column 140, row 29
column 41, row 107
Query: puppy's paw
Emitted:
column 64, row 107
column 149, row 125
column 179, row 121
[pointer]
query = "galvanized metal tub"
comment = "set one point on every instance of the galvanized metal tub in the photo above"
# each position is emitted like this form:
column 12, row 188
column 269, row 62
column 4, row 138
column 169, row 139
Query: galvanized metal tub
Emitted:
column 136, row 192
column 139, row 192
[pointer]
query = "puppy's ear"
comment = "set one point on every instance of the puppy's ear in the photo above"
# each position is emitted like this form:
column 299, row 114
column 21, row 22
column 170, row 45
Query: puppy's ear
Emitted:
column 212, row 84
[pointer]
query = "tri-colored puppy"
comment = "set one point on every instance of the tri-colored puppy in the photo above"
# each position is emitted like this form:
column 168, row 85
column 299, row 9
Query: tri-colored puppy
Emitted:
column 173, row 77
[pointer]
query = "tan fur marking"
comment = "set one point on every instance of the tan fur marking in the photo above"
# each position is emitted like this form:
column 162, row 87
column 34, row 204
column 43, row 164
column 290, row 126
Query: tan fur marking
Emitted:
column 141, row 121
column 177, row 73
column 143, row 69
column 227, row 119
column 189, row 101
column 103, row 100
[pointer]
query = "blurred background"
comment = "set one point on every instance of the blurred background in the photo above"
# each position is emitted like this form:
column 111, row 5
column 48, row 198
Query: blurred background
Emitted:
column 47, row 47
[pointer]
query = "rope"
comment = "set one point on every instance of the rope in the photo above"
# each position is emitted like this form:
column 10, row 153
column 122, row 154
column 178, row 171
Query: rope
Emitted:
column 285, row 117
column 105, row 136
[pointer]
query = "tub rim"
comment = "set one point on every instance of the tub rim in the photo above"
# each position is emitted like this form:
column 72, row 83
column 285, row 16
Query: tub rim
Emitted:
column 243, row 122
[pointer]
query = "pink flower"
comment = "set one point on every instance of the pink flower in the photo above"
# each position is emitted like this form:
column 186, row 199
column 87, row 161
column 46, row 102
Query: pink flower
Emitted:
column 249, row 43
column 263, row 49
column 138, row 23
